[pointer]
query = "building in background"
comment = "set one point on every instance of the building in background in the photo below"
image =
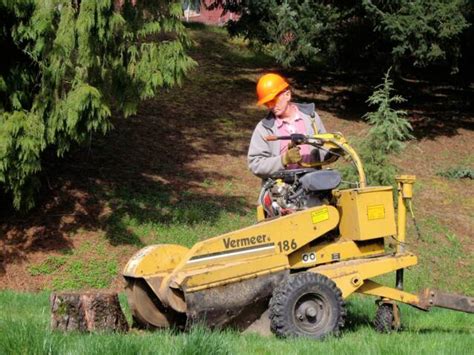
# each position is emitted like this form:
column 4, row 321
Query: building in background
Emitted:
column 201, row 11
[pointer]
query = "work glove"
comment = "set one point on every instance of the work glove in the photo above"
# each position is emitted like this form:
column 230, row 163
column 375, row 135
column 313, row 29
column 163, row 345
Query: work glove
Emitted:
column 292, row 156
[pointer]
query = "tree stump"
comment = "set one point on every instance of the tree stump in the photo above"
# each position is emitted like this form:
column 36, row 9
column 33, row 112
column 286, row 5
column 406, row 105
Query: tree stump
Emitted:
column 87, row 312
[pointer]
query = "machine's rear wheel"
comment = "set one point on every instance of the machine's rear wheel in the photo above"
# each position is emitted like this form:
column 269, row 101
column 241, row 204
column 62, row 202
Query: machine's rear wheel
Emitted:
column 307, row 304
column 146, row 308
column 385, row 320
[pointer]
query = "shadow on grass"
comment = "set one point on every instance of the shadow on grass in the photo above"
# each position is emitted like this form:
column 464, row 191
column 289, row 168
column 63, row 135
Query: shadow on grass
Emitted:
column 355, row 321
column 436, row 329
column 435, row 107
column 159, row 207
column 143, row 171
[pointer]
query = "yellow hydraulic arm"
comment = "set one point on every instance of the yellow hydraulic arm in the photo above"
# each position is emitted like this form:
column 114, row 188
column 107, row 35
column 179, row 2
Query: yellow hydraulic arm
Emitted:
column 331, row 142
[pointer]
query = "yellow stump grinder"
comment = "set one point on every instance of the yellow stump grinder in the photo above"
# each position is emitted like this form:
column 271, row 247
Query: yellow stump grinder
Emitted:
column 313, row 246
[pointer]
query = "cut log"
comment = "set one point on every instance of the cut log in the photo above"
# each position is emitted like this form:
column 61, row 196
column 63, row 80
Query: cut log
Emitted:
column 87, row 312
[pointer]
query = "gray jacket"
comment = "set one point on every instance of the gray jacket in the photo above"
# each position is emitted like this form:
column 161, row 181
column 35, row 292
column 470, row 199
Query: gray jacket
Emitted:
column 264, row 157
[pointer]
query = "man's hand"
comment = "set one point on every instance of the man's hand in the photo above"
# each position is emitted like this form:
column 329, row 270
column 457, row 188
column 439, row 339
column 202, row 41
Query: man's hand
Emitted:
column 292, row 156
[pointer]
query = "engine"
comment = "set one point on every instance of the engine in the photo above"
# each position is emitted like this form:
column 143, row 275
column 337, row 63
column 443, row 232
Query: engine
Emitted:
column 289, row 191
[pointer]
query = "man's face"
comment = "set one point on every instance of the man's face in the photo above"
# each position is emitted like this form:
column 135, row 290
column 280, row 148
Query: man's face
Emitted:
column 280, row 103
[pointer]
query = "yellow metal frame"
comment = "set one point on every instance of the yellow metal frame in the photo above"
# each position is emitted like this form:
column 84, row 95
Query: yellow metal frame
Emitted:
column 350, row 275
column 373, row 288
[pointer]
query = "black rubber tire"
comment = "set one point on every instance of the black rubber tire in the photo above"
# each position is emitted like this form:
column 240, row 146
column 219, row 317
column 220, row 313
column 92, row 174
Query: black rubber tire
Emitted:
column 384, row 318
column 303, row 294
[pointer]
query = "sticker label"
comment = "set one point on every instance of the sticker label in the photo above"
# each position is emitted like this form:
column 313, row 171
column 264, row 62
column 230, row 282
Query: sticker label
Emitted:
column 375, row 212
column 320, row 216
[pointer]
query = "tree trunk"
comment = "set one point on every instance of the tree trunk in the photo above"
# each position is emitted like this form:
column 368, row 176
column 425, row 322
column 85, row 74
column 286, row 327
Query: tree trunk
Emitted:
column 87, row 312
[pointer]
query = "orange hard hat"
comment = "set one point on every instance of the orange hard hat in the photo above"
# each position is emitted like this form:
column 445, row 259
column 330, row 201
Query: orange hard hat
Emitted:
column 269, row 86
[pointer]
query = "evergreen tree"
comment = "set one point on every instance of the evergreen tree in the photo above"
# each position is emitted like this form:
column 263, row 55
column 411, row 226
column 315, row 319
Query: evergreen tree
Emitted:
column 68, row 64
column 345, row 33
column 389, row 129
column 389, row 126
column 423, row 32
column 290, row 30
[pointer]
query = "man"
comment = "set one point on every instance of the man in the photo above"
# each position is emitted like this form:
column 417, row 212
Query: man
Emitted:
column 284, row 118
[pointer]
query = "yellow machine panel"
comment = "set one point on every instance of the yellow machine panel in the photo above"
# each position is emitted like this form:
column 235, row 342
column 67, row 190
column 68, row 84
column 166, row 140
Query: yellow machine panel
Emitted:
column 366, row 213
column 335, row 250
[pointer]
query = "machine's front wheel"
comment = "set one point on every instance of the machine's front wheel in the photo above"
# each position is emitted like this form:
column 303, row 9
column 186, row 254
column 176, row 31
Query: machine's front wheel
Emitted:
column 387, row 318
column 307, row 304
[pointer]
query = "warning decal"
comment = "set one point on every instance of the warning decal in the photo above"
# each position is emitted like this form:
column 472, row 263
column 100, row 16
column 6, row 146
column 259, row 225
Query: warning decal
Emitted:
column 375, row 212
column 319, row 216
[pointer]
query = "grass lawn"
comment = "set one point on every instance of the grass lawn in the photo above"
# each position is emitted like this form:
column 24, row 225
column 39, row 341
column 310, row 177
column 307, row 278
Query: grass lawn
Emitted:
column 26, row 331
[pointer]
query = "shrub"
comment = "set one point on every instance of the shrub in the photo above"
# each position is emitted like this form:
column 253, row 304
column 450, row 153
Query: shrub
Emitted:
column 459, row 172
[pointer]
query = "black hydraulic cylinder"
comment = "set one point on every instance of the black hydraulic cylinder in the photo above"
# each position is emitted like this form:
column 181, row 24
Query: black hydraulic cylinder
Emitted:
column 399, row 279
